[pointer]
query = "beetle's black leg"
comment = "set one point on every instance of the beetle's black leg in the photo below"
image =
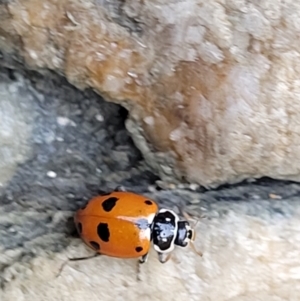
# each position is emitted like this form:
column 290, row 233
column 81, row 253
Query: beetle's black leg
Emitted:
column 84, row 258
column 144, row 258
column 75, row 259
column 163, row 258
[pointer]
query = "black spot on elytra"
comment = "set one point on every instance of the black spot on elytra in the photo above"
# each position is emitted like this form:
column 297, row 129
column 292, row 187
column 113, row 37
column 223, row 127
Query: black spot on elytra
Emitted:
column 95, row 245
column 109, row 204
column 147, row 202
column 139, row 249
column 79, row 228
column 103, row 232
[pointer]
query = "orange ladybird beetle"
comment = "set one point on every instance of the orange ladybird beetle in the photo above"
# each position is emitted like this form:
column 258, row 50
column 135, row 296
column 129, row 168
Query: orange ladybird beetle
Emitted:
column 123, row 224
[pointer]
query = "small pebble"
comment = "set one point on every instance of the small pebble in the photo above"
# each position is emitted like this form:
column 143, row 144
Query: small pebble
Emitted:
column 12, row 230
column 51, row 174
column 275, row 196
column 99, row 117
column 195, row 201
column 172, row 186
column 151, row 188
column 194, row 187
column 162, row 184
column 63, row 121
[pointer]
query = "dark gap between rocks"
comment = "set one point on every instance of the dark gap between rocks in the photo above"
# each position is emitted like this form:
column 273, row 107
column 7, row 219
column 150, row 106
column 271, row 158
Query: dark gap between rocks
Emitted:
column 79, row 145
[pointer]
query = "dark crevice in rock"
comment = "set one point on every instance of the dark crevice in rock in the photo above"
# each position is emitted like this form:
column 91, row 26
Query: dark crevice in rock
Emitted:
column 78, row 145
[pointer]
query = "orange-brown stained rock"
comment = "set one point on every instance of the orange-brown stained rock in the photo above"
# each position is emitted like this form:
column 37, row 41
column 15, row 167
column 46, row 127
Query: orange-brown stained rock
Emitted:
column 212, row 88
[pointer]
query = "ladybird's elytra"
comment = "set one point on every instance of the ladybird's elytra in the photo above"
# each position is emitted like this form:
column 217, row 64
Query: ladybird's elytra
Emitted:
column 123, row 224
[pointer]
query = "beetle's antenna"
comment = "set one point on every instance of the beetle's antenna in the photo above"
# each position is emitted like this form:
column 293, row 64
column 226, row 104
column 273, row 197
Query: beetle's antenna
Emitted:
column 188, row 217
column 194, row 249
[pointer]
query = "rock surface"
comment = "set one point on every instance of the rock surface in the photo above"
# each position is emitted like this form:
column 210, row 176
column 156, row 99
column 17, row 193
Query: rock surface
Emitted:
column 73, row 144
column 59, row 146
column 250, row 253
column 211, row 86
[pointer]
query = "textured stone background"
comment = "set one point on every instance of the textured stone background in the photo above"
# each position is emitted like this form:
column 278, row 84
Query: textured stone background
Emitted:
column 212, row 87
column 59, row 145
column 69, row 145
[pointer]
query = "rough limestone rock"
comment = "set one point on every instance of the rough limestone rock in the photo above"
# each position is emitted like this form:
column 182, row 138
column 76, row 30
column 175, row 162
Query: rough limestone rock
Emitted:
column 212, row 87
column 72, row 144
column 251, row 252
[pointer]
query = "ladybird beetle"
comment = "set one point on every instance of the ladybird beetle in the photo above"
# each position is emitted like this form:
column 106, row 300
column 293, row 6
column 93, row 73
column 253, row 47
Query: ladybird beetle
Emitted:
column 123, row 224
